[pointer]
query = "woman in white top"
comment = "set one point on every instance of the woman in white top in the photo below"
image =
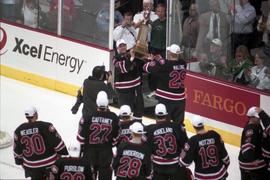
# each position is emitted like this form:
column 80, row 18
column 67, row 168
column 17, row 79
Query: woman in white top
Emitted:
column 257, row 73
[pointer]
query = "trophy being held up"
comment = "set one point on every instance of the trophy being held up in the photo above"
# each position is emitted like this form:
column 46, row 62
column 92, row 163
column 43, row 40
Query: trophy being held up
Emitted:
column 141, row 47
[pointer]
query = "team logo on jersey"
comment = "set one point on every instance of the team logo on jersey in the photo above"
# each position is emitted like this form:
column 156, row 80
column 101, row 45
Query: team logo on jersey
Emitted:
column 54, row 169
column 152, row 63
column 186, row 147
column 3, row 41
column 249, row 133
column 51, row 128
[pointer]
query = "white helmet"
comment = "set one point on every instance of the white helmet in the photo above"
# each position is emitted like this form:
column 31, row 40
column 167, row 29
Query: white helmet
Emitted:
column 102, row 99
column 160, row 110
column 125, row 110
column 197, row 121
column 136, row 128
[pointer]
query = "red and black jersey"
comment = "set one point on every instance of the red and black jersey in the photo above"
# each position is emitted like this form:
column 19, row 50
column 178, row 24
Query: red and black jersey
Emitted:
column 209, row 155
column 124, row 134
column 37, row 144
column 127, row 74
column 133, row 161
column 166, row 141
column 251, row 147
column 266, row 137
column 99, row 130
column 171, row 76
column 72, row 168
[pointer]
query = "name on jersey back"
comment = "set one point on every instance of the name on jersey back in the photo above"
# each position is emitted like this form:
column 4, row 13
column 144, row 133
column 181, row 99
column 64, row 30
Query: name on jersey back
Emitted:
column 29, row 131
column 207, row 142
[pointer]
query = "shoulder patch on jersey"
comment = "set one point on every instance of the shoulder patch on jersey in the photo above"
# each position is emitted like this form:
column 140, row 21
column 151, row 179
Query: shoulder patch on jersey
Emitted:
column 186, row 147
column 81, row 121
column 54, row 169
column 152, row 63
column 51, row 128
column 249, row 133
column 161, row 61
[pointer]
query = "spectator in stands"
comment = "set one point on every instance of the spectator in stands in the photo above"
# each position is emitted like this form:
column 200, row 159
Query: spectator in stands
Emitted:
column 217, row 59
column 8, row 9
column 239, row 65
column 29, row 13
column 257, row 73
column 264, row 22
column 243, row 17
column 213, row 24
column 146, row 16
column 126, row 31
column 264, row 83
column 190, row 31
column 103, row 17
column 68, row 12
column 158, row 32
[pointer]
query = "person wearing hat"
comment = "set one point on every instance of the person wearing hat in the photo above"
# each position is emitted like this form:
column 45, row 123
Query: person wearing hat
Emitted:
column 133, row 158
column 251, row 161
column 96, row 135
column 208, row 152
column 72, row 167
column 217, row 59
column 166, row 141
column 99, row 81
column 170, row 88
column 128, row 79
column 37, row 145
column 126, row 119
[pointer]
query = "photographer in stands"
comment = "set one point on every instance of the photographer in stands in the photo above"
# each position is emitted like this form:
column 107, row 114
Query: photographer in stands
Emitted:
column 91, row 86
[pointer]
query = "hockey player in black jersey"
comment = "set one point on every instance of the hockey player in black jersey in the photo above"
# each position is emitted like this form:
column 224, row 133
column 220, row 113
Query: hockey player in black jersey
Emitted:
column 251, row 162
column 37, row 145
column 265, row 118
column 128, row 79
column 208, row 152
column 171, row 74
column 166, row 141
column 72, row 167
column 125, row 117
column 97, row 134
column 133, row 159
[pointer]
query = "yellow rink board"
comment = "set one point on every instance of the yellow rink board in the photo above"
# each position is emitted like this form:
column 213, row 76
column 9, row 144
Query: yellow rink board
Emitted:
column 41, row 81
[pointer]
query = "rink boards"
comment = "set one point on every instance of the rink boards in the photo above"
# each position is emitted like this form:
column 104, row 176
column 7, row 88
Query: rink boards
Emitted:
column 60, row 64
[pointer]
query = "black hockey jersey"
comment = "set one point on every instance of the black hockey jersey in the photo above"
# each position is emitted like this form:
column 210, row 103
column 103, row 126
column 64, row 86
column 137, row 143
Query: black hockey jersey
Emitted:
column 133, row 161
column 171, row 76
column 99, row 130
column 37, row 144
column 127, row 74
column 166, row 141
column 251, row 147
column 209, row 154
column 71, row 168
column 266, row 137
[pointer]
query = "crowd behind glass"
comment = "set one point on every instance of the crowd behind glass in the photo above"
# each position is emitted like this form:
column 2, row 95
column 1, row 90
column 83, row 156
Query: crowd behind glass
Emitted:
column 228, row 40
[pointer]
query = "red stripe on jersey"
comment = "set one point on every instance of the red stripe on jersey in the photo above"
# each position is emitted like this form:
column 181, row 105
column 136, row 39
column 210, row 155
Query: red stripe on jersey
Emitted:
column 128, row 84
column 60, row 146
column 213, row 176
column 226, row 160
column 252, row 166
column 246, row 147
column 265, row 153
column 170, row 96
column 41, row 163
column 145, row 67
column 160, row 160
column 80, row 139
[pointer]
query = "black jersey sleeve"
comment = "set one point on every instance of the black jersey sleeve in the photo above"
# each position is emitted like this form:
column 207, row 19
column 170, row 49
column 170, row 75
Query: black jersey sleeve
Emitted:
column 17, row 149
column 265, row 121
column 222, row 151
column 248, row 146
column 82, row 130
column 188, row 153
column 56, row 140
column 182, row 136
column 116, row 159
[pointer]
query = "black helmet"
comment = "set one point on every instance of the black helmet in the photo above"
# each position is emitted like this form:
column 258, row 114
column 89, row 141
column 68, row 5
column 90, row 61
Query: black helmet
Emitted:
column 98, row 72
